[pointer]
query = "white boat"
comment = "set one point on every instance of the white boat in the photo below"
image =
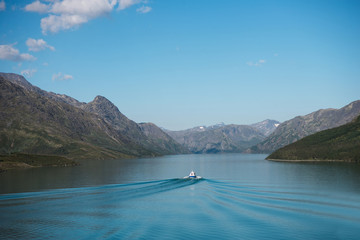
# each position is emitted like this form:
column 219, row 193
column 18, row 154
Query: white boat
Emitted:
column 192, row 175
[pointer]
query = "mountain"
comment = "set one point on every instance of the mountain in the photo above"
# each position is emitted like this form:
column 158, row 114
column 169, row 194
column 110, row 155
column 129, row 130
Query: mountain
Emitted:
column 107, row 111
column 267, row 126
column 219, row 138
column 149, row 136
column 159, row 138
column 341, row 143
column 302, row 126
column 36, row 122
column 21, row 81
column 111, row 114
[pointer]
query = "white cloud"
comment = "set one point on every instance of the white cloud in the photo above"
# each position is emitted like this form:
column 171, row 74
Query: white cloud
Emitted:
column 7, row 52
column 88, row 8
column 69, row 14
column 28, row 73
column 128, row 3
column 61, row 77
column 144, row 9
column 256, row 64
column 38, row 45
column 38, row 7
column 54, row 23
column 2, row 5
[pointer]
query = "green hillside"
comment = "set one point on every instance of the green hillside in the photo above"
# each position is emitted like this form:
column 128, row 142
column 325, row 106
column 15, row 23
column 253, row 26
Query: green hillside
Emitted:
column 341, row 143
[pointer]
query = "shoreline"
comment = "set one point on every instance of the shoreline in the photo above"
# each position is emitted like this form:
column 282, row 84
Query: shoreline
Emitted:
column 26, row 161
column 309, row 160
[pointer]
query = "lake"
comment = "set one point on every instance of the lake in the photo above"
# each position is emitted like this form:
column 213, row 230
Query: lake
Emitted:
column 241, row 196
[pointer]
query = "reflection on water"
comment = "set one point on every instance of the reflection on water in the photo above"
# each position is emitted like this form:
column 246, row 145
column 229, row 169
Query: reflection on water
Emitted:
column 240, row 197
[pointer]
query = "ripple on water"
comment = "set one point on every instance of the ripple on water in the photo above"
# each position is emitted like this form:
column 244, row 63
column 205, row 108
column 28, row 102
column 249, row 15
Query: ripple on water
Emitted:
column 178, row 209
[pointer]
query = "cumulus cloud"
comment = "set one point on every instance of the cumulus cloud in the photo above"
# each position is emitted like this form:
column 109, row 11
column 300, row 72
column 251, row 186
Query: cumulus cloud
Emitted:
column 38, row 45
column 28, row 73
column 69, row 14
column 8, row 52
column 38, row 7
column 61, row 77
column 2, row 5
column 54, row 23
column 256, row 64
column 144, row 9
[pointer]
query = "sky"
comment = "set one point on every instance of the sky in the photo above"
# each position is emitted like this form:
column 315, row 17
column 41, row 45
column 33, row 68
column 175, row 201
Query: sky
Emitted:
column 186, row 63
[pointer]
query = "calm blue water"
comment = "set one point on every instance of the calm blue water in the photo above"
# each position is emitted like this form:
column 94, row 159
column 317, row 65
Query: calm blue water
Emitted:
column 240, row 197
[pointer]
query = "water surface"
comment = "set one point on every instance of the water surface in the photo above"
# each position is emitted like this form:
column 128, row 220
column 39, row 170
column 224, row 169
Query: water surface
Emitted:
column 240, row 197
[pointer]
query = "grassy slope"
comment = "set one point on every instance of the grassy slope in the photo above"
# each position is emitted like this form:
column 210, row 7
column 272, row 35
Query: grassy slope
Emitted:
column 341, row 143
column 16, row 161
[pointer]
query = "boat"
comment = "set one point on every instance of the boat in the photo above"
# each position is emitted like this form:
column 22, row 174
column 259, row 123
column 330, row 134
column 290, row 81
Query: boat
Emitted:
column 192, row 175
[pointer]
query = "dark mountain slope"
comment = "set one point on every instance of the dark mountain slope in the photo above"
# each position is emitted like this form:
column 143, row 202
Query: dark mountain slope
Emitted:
column 159, row 138
column 341, row 143
column 148, row 136
column 111, row 114
column 108, row 112
column 32, row 123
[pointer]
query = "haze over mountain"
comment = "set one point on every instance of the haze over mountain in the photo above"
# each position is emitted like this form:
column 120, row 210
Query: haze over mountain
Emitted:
column 292, row 130
column 341, row 143
column 34, row 121
column 223, row 138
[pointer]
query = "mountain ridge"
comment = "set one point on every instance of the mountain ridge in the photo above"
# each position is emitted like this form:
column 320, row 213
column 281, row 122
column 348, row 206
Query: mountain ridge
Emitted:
column 222, row 138
column 34, row 121
column 336, row 144
column 301, row 126
column 35, row 124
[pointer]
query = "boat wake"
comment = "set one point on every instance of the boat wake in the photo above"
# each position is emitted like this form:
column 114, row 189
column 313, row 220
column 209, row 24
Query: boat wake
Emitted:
column 176, row 208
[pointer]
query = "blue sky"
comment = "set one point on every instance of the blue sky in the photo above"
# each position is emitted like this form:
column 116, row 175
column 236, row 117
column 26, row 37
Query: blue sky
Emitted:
column 185, row 63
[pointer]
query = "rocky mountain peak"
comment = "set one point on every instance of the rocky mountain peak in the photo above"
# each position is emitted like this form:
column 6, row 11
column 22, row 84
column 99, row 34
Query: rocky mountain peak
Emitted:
column 352, row 106
column 103, row 102
column 106, row 109
column 17, row 79
column 267, row 126
column 101, row 99
column 20, row 81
